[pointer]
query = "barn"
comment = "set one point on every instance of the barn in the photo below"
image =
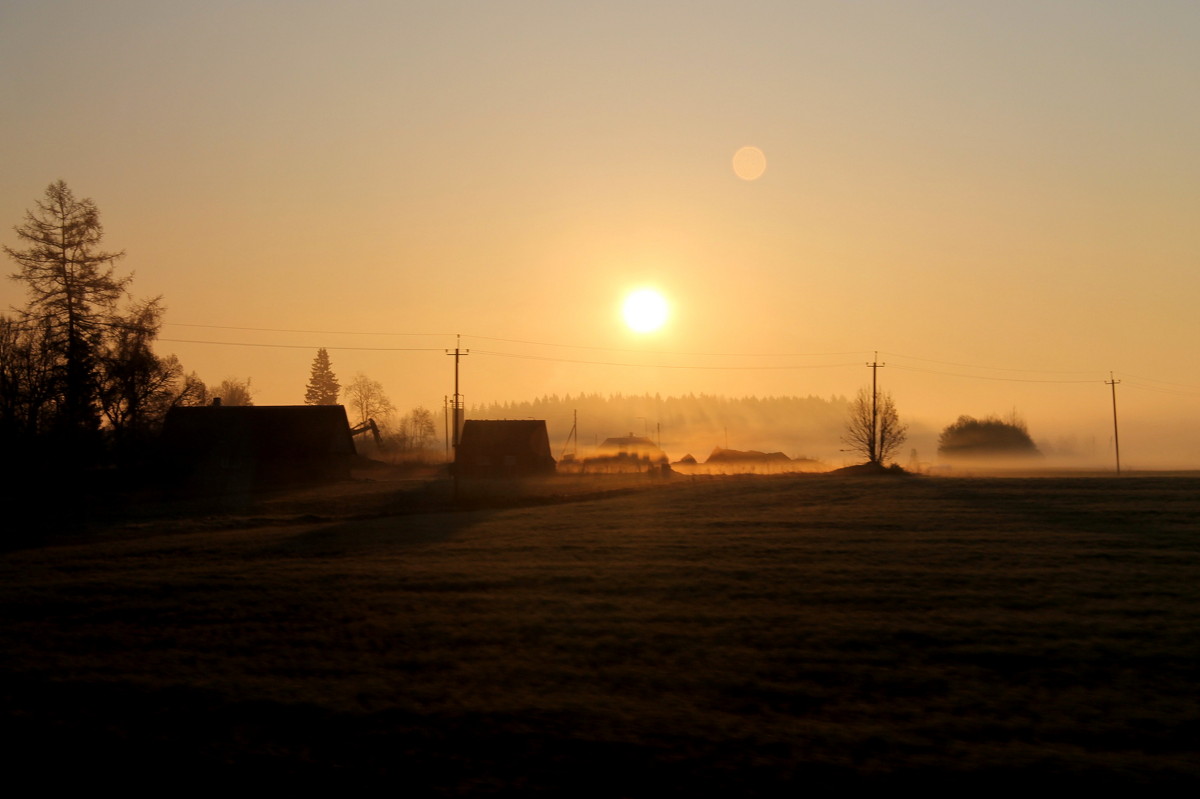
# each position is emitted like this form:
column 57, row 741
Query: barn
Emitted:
column 240, row 447
column 504, row 448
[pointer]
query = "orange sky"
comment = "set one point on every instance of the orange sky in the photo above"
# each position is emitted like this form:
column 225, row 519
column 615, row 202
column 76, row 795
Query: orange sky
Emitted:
column 999, row 197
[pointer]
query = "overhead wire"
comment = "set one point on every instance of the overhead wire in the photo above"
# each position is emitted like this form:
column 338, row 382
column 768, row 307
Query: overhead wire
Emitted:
column 667, row 352
column 520, row 356
column 469, row 336
column 1164, row 387
column 992, row 368
column 310, row 332
column 301, row 346
column 1156, row 390
column 988, row 377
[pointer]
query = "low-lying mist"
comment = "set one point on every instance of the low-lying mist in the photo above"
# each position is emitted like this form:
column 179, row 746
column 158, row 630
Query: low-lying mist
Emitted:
column 807, row 429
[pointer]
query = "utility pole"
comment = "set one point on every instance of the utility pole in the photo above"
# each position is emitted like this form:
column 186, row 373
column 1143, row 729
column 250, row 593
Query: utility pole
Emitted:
column 875, row 365
column 457, row 406
column 572, row 437
column 1112, row 381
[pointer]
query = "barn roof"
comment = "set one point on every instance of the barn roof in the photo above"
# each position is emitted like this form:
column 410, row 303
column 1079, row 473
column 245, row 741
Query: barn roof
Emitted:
column 275, row 441
column 502, row 433
column 510, row 446
column 630, row 443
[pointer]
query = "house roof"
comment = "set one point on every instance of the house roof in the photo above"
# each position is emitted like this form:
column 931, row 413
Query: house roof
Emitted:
column 504, row 434
column 264, row 430
column 629, row 443
column 495, row 447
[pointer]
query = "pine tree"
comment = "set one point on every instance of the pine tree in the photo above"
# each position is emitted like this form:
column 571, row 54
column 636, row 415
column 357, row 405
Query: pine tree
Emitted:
column 323, row 386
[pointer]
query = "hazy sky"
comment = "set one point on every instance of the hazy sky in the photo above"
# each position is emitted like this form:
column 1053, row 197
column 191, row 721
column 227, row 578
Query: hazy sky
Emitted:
column 1001, row 198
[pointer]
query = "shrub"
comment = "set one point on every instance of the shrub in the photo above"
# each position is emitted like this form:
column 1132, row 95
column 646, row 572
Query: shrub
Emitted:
column 986, row 438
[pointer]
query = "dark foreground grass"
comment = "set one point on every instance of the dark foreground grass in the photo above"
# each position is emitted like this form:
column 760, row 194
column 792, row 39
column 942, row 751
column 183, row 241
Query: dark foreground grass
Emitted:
column 740, row 636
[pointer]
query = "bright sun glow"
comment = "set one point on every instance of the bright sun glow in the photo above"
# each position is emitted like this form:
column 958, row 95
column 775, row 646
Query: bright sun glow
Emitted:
column 645, row 310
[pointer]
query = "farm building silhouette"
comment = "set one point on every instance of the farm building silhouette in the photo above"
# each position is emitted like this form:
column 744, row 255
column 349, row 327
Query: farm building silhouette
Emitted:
column 637, row 446
column 504, row 448
column 234, row 447
column 621, row 454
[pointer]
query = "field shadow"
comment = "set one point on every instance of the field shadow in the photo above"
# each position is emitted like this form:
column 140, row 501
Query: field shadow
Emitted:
column 405, row 530
column 1145, row 505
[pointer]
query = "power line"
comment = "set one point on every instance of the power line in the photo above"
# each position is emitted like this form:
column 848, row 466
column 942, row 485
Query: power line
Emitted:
column 1156, row 390
column 985, row 377
column 657, row 365
column 299, row 346
column 519, row 341
column 993, row 368
column 1164, row 382
column 1161, row 388
column 289, row 330
column 671, row 352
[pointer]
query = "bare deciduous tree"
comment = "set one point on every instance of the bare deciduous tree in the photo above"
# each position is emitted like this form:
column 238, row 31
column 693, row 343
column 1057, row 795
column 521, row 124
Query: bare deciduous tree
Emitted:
column 29, row 379
column 874, row 429
column 232, row 391
column 419, row 430
column 366, row 399
column 134, row 383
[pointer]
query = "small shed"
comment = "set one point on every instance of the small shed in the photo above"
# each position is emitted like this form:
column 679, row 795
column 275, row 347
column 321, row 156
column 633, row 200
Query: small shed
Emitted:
column 504, row 448
column 233, row 447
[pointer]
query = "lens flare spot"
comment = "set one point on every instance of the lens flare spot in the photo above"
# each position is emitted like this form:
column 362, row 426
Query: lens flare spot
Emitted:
column 749, row 163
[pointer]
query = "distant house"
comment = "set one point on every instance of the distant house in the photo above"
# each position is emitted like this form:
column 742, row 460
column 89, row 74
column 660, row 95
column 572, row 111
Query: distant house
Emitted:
column 733, row 461
column 504, row 448
column 232, row 447
column 622, row 454
column 631, row 446
column 735, row 457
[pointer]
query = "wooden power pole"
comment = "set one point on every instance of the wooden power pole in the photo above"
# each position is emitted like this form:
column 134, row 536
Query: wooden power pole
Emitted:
column 1112, row 381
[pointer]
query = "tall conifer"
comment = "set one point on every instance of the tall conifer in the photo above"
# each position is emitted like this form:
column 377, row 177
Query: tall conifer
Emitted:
column 73, row 292
column 323, row 386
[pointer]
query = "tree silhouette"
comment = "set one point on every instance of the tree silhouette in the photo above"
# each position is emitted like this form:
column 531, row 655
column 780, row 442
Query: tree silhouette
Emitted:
column 28, row 382
column 323, row 387
column 874, row 429
column 232, row 391
column 366, row 399
column 420, row 432
column 135, row 386
column 73, row 294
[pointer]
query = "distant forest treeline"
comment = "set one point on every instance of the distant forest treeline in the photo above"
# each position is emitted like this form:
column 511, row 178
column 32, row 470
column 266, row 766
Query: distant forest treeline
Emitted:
column 692, row 424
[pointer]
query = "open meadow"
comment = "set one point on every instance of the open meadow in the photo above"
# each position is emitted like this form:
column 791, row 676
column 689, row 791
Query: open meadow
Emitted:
column 628, row 637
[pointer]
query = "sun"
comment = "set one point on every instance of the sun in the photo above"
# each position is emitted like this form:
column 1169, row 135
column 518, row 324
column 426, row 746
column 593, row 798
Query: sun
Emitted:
column 645, row 311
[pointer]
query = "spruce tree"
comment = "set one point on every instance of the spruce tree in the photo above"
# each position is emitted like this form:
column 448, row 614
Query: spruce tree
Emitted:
column 323, row 386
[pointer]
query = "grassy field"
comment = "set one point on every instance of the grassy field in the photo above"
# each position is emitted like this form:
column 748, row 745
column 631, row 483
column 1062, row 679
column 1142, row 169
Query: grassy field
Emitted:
column 741, row 636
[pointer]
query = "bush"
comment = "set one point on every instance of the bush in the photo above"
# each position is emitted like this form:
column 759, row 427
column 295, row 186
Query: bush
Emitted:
column 986, row 438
